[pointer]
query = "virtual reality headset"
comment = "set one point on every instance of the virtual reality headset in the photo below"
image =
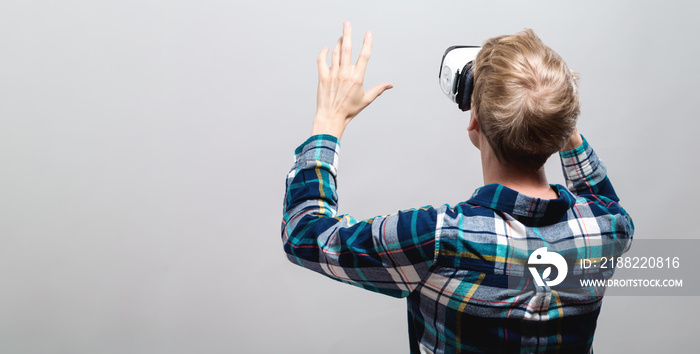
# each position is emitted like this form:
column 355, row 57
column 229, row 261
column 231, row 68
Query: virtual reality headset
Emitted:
column 457, row 74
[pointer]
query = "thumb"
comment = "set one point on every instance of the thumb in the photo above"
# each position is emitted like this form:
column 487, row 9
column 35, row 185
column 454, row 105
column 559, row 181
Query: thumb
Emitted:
column 377, row 90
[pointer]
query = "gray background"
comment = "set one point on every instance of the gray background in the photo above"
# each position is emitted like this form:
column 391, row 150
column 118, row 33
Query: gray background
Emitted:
column 144, row 146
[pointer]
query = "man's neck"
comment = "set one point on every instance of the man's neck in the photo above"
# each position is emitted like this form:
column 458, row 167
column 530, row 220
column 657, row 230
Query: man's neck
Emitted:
column 531, row 183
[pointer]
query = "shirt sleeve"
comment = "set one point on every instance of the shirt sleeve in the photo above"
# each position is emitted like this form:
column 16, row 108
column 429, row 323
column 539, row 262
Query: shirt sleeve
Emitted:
column 585, row 174
column 386, row 254
column 586, row 177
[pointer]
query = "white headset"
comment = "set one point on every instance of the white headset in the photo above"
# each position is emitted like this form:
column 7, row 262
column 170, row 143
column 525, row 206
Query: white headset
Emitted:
column 457, row 74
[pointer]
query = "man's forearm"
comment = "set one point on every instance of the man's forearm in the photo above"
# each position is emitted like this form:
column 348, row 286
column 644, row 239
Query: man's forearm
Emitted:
column 585, row 174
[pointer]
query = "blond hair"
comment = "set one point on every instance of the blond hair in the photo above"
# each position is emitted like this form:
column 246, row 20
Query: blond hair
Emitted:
column 525, row 99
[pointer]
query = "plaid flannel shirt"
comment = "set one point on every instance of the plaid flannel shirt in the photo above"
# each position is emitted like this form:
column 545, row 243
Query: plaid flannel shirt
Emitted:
column 463, row 268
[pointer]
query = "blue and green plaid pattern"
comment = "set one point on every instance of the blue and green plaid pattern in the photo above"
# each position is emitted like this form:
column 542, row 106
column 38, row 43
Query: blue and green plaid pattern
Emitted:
column 463, row 268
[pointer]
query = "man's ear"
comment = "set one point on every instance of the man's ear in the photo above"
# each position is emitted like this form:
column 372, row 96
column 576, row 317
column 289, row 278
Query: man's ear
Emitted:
column 473, row 123
column 474, row 130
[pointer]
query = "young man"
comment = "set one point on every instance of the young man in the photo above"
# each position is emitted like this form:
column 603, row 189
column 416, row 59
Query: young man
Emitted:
column 469, row 272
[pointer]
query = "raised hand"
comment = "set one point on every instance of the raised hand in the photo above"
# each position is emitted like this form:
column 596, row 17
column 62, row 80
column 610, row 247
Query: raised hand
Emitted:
column 341, row 95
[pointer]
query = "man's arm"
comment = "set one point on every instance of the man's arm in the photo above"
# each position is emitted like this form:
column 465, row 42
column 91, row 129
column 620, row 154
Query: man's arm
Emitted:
column 586, row 177
column 585, row 174
column 388, row 254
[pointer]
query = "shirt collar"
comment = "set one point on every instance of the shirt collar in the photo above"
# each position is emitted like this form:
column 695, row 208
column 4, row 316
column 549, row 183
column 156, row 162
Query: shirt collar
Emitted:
column 501, row 198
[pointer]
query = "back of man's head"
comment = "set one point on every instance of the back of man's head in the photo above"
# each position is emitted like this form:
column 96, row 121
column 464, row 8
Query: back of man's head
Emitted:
column 525, row 99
